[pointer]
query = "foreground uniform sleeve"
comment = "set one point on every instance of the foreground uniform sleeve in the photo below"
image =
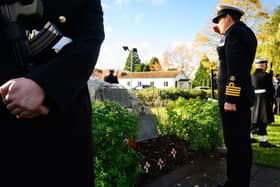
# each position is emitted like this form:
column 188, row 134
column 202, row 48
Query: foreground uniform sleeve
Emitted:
column 64, row 77
column 8, row 1
column 237, row 67
column 13, row 1
column 65, row 7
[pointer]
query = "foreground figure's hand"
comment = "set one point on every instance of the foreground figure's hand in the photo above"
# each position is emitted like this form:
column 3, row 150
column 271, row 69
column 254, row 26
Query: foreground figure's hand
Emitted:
column 42, row 110
column 23, row 97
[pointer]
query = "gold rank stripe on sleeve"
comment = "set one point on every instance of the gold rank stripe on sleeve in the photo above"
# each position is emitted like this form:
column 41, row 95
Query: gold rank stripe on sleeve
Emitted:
column 232, row 90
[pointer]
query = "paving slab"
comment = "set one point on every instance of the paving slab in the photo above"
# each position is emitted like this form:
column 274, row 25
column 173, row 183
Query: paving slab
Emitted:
column 208, row 172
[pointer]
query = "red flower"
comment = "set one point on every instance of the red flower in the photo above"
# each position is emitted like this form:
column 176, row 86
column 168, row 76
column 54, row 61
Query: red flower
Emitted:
column 132, row 143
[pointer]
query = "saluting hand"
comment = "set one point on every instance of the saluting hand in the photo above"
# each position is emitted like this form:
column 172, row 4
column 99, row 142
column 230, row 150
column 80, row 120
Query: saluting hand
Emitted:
column 216, row 29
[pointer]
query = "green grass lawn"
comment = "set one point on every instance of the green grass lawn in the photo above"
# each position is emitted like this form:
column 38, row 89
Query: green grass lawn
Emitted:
column 269, row 156
column 161, row 114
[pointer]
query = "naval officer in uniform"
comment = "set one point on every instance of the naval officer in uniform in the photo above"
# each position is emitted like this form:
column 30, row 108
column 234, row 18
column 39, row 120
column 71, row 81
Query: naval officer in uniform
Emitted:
column 262, row 113
column 236, row 52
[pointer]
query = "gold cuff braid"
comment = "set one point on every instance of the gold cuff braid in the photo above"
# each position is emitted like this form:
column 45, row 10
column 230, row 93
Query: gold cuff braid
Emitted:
column 232, row 90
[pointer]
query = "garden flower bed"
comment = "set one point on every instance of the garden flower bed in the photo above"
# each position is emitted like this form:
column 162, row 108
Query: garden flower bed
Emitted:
column 162, row 155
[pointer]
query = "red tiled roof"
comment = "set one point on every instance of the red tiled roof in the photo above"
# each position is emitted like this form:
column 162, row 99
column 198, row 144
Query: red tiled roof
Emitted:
column 150, row 74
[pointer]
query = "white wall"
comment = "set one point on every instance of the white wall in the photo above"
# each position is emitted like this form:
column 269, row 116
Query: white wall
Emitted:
column 158, row 83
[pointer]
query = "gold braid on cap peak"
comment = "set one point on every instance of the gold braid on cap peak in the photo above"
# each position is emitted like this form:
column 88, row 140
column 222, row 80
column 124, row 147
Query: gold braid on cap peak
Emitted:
column 232, row 90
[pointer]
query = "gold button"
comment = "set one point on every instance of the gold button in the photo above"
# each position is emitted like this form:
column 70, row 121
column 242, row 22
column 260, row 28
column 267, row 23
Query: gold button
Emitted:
column 232, row 78
column 62, row 19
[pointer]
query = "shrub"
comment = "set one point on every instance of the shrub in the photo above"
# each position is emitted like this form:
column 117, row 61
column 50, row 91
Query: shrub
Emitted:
column 195, row 120
column 155, row 97
column 116, row 163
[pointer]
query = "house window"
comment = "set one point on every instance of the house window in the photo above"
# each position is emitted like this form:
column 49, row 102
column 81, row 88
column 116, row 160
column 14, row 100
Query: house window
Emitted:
column 139, row 83
column 165, row 83
column 152, row 83
column 128, row 83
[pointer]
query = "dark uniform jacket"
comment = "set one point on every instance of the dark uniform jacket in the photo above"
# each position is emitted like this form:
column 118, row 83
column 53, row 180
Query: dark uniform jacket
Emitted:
column 236, row 52
column 262, row 110
column 54, row 150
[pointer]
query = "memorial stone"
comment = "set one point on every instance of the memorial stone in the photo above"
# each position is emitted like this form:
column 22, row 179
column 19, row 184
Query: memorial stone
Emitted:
column 103, row 91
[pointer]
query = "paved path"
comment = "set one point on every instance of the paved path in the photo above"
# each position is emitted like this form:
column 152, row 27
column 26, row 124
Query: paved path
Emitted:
column 208, row 172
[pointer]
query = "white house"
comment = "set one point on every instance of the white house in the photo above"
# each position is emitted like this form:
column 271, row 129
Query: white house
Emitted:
column 158, row 79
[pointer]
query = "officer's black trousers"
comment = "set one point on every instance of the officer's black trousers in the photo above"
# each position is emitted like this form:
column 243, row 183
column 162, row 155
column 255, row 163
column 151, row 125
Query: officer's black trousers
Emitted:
column 236, row 129
column 260, row 129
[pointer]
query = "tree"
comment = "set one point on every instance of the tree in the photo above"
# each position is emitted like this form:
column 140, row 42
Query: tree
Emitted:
column 255, row 17
column 207, row 64
column 142, row 67
column 211, row 68
column 202, row 77
column 271, row 42
column 180, row 57
column 135, row 61
column 146, row 67
column 139, row 68
column 154, row 64
column 165, row 64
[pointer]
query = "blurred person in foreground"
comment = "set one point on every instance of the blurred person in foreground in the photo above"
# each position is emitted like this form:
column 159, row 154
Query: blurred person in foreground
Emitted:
column 45, row 123
column 236, row 52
